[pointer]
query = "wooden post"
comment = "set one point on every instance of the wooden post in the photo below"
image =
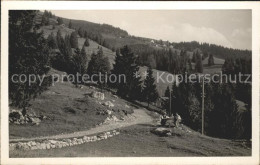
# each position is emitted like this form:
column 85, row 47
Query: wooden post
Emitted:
column 170, row 102
column 202, row 123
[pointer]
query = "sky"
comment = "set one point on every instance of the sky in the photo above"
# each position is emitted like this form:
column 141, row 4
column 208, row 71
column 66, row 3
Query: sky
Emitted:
column 229, row 28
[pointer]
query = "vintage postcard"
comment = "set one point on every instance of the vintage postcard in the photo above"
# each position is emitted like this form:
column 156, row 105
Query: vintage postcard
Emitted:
column 130, row 82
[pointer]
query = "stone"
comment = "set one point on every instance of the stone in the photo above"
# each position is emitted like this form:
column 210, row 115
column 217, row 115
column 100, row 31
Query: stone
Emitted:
column 127, row 106
column 33, row 143
column 109, row 104
column 59, row 145
column 94, row 138
column 35, row 120
column 98, row 95
column 26, row 147
column 108, row 112
column 52, row 146
column 52, row 141
column 161, row 131
column 48, row 146
column 43, row 146
column 12, row 146
column 34, row 148
column 168, row 134
column 15, row 114
column 115, row 96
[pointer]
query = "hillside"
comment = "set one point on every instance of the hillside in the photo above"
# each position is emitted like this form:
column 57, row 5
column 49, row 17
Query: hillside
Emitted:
column 98, row 119
column 117, row 38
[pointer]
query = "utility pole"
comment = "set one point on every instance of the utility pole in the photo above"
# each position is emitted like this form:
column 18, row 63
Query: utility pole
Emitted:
column 202, row 117
column 170, row 102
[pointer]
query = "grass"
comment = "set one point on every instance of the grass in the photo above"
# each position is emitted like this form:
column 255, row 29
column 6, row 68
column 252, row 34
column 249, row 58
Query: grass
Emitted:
column 69, row 111
column 138, row 141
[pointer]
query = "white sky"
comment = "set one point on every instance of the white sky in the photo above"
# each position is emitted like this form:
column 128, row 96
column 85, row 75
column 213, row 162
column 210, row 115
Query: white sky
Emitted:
column 230, row 28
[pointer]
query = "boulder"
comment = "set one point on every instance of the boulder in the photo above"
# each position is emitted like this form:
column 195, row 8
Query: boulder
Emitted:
column 35, row 120
column 127, row 106
column 109, row 104
column 108, row 112
column 162, row 131
column 16, row 115
column 115, row 96
column 98, row 95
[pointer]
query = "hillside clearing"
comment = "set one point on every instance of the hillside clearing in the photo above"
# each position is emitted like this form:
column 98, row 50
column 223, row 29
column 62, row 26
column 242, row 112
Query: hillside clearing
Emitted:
column 69, row 110
column 138, row 141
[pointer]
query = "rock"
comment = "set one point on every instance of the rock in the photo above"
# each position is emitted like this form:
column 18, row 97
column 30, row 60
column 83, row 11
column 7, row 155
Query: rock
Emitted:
column 52, row 141
column 35, row 120
column 43, row 146
column 67, row 140
column 108, row 112
column 85, row 138
column 52, row 146
column 115, row 96
column 33, row 143
column 95, row 138
column 168, row 134
column 127, row 106
column 113, row 100
column 34, row 148
column 26, row 147
column 48, row 146
column 161, row 131
column 16, row 116
column 98, row 95
column 12, row 146
column 109, row 104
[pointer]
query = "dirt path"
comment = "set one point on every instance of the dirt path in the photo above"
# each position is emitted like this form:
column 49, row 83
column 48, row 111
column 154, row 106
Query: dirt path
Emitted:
column 138, row 117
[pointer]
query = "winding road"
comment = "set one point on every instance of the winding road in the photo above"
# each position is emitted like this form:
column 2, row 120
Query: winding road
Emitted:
column 138, row 117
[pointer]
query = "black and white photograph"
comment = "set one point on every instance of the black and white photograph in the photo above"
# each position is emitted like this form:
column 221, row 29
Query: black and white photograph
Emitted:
column 130, row 83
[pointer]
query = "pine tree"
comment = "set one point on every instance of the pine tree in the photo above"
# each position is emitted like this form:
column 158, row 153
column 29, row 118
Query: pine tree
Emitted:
column 167, row 92
column 65, row 53
column 86, row 43
column 194, row 57
column 60, row 21
column 70, row 25
column 86, row 35
column 81, row 32
column 150, row 93
column 98, row 64
column 59, row 39
column 73, row 40
column 28, row 55
column 198, row 65
column 127, row 63
column 52, row 41
column 210, row 60
column 80, row 61
column 45, row 20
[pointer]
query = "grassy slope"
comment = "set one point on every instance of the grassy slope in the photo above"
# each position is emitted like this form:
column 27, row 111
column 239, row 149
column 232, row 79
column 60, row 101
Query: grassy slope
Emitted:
column 55, row 102
column 138, row 141
column 214, row 68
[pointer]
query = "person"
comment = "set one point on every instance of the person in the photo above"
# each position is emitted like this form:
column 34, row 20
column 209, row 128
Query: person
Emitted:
column 177, row 120
column 163, row 118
